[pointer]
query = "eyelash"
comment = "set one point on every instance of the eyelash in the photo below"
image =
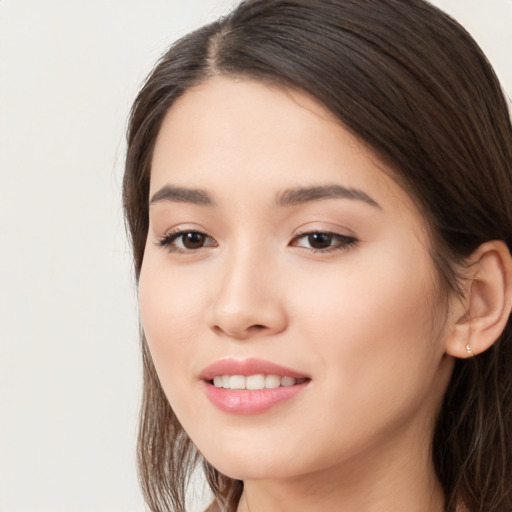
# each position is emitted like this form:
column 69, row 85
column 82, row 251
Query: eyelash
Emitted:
column 168, row 240
column 342, row 242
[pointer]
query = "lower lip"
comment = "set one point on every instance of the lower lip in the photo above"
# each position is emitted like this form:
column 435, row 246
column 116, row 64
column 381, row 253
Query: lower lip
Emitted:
column 250, row 401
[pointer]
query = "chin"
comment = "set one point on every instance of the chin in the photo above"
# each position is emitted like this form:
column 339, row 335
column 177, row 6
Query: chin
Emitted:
column 254, row 470
column 249, row 460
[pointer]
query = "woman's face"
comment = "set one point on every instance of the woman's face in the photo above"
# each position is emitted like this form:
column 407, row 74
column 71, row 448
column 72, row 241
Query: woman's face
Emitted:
column 279, row 253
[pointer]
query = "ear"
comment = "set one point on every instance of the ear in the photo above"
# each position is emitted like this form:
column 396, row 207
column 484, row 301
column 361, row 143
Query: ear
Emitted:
column 480, row 317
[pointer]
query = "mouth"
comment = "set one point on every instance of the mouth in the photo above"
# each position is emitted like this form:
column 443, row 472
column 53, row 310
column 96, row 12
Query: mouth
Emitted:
column 251, row 386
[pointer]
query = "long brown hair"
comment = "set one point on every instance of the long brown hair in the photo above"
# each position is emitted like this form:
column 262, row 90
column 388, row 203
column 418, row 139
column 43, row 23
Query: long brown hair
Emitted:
column 412, row 84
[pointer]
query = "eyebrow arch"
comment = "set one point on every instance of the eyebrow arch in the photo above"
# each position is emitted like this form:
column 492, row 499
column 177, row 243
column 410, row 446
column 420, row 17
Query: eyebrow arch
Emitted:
column 182, row 195
column 300, row 195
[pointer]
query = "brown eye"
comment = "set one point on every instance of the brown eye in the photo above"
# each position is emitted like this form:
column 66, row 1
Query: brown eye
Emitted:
column 323, row 242
column 193, row 240
column 320, row 240
column 186, row 241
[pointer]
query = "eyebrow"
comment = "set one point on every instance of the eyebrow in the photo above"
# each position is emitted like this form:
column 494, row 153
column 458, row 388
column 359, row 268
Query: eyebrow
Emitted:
column 290, row 197
column 182, row 195
column 301, row 195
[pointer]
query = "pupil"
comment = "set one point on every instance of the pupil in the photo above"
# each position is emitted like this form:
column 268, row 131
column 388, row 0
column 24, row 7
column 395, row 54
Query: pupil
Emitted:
column 319, row 240
column 193, row 240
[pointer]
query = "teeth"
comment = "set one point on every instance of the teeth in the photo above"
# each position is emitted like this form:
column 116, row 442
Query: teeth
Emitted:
column 272, row 381
column 288, row 381
column 253, row 382
column 237, row 382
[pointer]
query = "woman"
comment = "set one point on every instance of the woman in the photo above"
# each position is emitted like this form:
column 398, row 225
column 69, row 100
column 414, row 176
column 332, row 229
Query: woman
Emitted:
column 319, row 200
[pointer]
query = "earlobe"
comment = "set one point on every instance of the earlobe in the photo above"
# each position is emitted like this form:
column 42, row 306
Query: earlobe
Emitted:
column 488, row 301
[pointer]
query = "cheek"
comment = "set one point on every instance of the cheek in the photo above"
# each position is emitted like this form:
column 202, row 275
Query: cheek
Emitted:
column 369, row 330
column 372, row 321
column 170, row 310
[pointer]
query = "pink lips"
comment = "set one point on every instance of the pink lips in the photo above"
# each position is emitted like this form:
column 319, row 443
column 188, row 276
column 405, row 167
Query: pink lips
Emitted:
column 249, row 401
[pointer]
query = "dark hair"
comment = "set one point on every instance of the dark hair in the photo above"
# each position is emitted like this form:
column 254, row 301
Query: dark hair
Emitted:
column 414, row 86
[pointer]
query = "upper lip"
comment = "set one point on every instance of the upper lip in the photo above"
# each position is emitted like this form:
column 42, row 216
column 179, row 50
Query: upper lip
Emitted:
column 247, row 367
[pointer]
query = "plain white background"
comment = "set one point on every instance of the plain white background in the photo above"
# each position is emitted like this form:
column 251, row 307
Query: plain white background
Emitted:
column 69, row 367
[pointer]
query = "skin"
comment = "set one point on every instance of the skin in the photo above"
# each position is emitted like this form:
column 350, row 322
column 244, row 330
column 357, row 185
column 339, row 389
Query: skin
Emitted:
column 365, row 321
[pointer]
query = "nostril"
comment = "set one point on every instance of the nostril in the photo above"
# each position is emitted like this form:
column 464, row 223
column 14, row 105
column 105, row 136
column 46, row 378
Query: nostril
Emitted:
column 242, row 333
column 256, row 327
column 217, row 329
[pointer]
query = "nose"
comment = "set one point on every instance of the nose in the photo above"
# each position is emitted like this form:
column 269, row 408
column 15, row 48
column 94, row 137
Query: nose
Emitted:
column 248, row 301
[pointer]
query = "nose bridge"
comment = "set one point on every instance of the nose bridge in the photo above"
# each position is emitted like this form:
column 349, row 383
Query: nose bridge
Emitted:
column 247, row 299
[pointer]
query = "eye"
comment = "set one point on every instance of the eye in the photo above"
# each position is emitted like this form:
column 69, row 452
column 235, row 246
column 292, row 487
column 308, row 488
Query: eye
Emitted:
column 186, row 241
column 319, row 241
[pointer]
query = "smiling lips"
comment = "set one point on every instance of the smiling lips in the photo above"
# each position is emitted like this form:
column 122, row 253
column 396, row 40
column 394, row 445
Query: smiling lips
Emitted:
column 251, row 386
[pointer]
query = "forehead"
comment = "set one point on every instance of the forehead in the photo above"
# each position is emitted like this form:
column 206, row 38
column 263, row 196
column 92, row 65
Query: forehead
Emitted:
column 237, row 137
